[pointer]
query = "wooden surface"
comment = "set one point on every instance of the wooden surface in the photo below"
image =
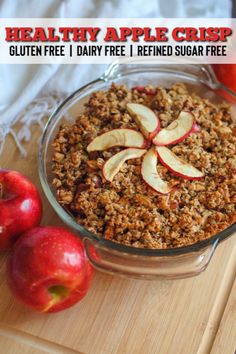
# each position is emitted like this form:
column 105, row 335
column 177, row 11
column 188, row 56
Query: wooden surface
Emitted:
column 119, row 315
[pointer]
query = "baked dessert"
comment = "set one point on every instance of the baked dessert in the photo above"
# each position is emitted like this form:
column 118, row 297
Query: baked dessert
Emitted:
column 149, row 167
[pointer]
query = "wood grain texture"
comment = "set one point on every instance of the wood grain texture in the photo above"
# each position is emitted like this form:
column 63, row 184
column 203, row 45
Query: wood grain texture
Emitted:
column 14, row 347
column 121, row 315
column 219, row 306
column 225, row 341
column 19, row 342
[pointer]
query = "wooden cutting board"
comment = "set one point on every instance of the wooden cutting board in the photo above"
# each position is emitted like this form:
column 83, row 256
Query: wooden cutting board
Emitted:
column 121, row 315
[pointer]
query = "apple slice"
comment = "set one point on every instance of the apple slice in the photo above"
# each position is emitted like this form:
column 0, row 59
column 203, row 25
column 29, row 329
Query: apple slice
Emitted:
column 145, row 118
column 117, row 137
column 150, row 175
column 196, row 128
column 114, row 163
column 145, row 89
column 177, row 165
column 177, row 131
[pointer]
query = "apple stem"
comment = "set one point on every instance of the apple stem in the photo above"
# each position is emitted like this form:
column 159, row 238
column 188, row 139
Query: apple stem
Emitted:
column 58, row 291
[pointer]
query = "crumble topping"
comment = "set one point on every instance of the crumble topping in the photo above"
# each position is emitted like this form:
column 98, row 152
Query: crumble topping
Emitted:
column 126, row 210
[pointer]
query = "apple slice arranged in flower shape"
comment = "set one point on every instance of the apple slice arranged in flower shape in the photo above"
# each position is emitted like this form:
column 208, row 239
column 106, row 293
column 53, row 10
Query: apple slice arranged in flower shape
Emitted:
column 112, row 166
column 177, row 131
column 136, row 144
column 150, row 174
column 145, row 118
column 117, row 137
column 177, row 165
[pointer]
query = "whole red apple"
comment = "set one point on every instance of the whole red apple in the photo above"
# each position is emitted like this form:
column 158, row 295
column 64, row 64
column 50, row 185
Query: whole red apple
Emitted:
column 20, row 206
column 226, row 74
column 48, row 269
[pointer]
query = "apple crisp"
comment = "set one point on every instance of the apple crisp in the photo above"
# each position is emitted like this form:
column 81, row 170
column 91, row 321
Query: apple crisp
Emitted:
column 122, row 207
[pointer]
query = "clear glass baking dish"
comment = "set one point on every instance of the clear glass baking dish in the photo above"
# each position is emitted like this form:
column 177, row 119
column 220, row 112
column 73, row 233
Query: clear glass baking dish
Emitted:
column 106, row 255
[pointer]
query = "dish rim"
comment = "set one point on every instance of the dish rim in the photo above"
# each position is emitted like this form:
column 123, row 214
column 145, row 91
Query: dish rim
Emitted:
column 83, row 232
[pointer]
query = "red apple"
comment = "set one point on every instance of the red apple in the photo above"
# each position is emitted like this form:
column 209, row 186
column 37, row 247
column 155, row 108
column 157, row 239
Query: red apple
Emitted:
column 226, row 74
column 20, row 206
column 112, row 166
column 117, row 137
column 48, row 269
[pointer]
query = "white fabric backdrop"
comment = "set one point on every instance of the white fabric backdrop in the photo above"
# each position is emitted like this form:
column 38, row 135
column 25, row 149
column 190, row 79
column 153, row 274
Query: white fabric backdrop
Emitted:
column 21, row 85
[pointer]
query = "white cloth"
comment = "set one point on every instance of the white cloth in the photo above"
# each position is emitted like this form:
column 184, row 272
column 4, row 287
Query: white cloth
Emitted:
column 21, row 84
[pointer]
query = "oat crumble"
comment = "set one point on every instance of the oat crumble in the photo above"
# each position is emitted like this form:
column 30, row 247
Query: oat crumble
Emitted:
column 126, row 210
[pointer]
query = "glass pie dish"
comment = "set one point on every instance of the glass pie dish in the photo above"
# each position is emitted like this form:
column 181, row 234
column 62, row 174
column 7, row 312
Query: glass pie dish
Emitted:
column 106, row 255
